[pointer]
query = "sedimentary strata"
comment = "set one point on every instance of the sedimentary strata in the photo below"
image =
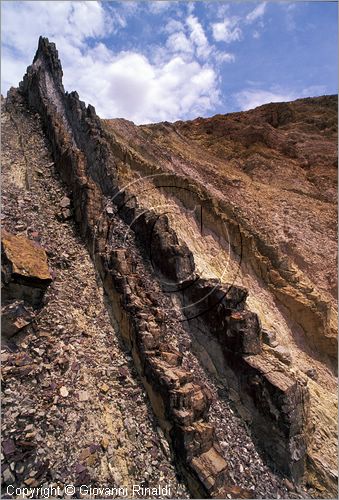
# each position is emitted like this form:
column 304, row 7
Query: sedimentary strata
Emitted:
column 206, row 468
column 153, row 287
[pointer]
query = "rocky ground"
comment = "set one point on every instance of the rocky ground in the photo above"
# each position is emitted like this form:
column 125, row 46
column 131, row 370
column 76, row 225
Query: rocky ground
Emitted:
column 74, row 411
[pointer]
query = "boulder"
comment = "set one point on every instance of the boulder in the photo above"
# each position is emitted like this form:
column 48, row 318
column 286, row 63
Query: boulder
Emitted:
column 25, row 265
column 312, row 373
column 213, row 300
column 65, row 202
column 169, row 256
column 25, row 278
column 243, row 334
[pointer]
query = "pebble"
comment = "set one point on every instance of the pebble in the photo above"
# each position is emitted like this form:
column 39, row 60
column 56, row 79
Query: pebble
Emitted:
column 65, row 202
column 312, row 373
column 8, row 476
column 105, row 442
column 83, row 396
column 283, row 354
column 104, row 388
column 64, row 392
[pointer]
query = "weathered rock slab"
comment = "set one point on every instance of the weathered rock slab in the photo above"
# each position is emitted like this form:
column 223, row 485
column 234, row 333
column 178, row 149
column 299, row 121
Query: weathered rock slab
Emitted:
column 25, row 278
column 25, row 260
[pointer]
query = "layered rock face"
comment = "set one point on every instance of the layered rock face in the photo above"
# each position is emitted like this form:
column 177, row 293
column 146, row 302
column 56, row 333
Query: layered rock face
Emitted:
column 176, row 401
column 154, row 288
column 271, row 174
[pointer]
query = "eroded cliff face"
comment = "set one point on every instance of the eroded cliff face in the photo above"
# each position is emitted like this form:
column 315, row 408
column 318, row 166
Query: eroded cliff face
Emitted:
column 272, row 171
column 193, row 324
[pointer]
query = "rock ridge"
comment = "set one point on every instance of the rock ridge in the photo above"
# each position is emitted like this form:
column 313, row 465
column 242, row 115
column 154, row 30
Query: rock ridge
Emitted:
column 82, row 153
column 206, row 473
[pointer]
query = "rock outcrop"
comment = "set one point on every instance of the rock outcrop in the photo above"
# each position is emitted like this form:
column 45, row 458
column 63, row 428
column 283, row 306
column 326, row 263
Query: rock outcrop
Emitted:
column 67, row 374
column 169, row 387
column 153, row 287
column 242, row 170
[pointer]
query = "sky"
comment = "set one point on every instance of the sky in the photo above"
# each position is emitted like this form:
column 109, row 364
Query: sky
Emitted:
column 151, row 61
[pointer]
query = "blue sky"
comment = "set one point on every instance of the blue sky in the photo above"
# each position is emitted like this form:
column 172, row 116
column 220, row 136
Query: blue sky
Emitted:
column 154, row 61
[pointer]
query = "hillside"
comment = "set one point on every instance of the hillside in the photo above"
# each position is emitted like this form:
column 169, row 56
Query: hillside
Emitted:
column 169, row 297
column 274, row 169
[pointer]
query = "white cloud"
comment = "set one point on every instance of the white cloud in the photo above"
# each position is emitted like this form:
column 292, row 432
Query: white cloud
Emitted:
column 12, row 69
column 190, row 7
column 158, row 7
column 198, row 37
column 231, row 28
column 178, row 42
column 69, row 24
column 289, row 11
column 190, row 40
column 251, row 98
column 221, row 10
column 21, row 21
column 256, row 13
column 227, row 31
column 140, row 91
column 225, row 57
column 175, row 85
column 173, row 25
